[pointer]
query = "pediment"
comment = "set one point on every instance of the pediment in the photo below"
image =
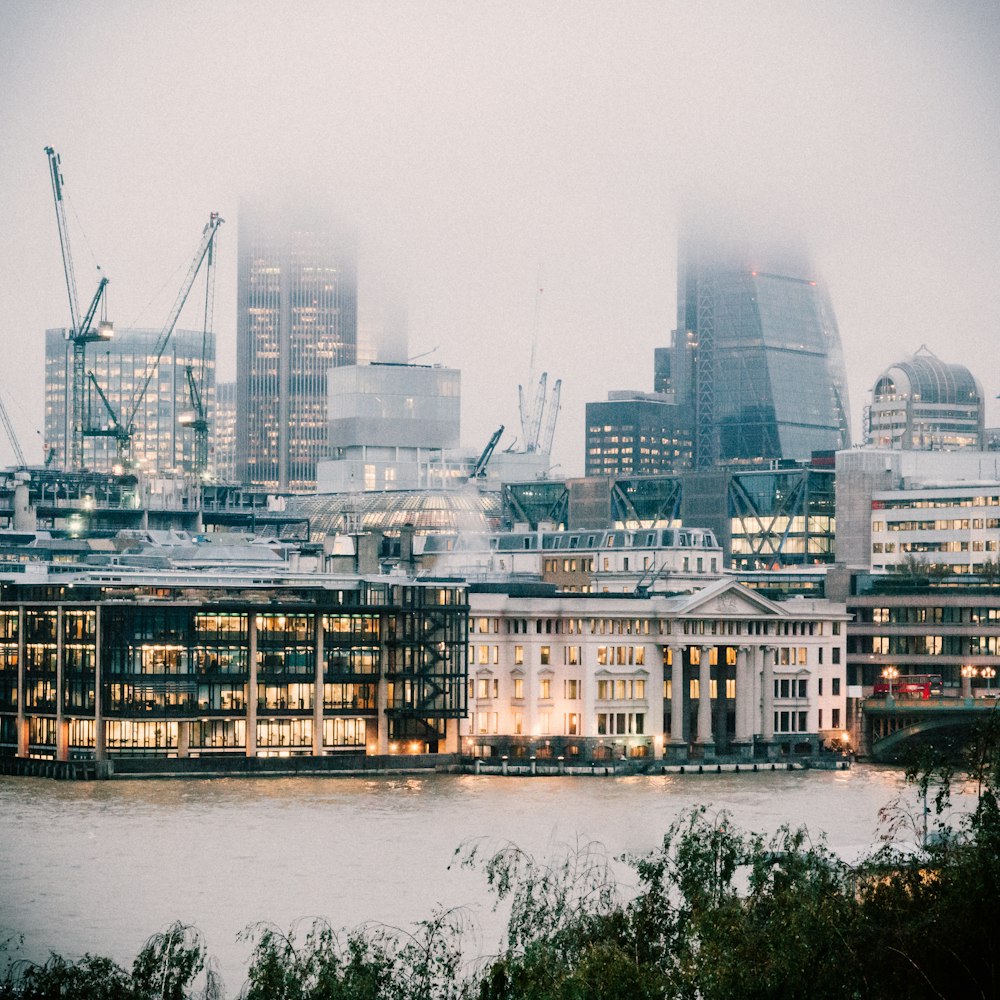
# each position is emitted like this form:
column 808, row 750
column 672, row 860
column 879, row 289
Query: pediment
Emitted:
column 730, row 599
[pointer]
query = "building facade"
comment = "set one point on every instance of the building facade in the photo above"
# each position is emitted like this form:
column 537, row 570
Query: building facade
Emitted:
column 922, row 403
column 161, row 443
column 756, row 357
column 636, row 434
column 721, row 672
column 297, row 318
column 197, row 665
column 392, row 427
column 222, row 445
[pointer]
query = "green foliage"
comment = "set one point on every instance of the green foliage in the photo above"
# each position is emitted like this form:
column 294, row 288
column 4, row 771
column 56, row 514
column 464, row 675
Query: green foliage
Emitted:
column 714, row 914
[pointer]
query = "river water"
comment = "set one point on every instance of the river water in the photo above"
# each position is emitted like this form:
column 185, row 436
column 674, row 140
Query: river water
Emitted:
column 100, row 866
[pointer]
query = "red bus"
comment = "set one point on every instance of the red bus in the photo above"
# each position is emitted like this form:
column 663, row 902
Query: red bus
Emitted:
column 910, row 686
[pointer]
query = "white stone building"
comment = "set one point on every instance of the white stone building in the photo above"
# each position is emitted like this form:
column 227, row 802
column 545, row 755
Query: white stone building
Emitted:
column 593, row 676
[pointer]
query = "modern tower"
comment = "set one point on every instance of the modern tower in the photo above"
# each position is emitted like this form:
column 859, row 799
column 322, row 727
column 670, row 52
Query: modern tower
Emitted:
column 756, row 356
column 297, row 317
column 161, row 442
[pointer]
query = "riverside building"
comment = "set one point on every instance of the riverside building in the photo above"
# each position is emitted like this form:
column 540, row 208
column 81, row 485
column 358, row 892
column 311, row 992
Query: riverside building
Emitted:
column 720, row 672
column 117, row 662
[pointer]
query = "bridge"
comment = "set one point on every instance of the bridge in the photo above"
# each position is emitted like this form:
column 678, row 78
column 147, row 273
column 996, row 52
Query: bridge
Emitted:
column 891, row 727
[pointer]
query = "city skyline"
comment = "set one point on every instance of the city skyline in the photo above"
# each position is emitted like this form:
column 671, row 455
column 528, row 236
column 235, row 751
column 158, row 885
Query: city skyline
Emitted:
column 465, row 170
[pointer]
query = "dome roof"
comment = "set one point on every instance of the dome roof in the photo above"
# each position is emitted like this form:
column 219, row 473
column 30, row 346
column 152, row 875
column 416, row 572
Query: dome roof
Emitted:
column 426, row 510
column 928, row 379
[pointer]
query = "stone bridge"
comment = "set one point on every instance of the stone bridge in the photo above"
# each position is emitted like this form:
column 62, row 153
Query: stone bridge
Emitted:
column 892, row 727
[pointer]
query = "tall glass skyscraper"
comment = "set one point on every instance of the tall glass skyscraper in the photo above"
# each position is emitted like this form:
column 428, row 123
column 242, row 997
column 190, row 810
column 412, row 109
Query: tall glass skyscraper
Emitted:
column 297, row 317
column 756, row 356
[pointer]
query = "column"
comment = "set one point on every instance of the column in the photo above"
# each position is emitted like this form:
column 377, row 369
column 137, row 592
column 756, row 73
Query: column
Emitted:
column 767, row 693
column 100, row 740
column 705, row 697
column 744, row 696
column 382, row 692
column 23, row 743
column 317, row 742
column 251, row 684
column 62, row 725
column 677, row 696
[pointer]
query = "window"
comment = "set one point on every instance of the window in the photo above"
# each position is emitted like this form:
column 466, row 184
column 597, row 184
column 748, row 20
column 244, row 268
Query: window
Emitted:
column 518, row 655
column 545, row 688
column 546, row 655
column 836, row 718
column 572, row 724
column 836, row 688
column 571, row 690
column 518, row 724
column 484, row 687
column 518, row 687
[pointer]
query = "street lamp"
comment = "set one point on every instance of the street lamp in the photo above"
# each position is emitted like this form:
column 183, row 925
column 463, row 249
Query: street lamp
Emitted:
column 968, row 672
column 890, row 674
column 988, row 673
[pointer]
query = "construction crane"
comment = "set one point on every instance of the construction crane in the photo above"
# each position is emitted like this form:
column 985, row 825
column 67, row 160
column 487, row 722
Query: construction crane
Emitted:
column 81, row 331
column 122, row 427
column 545, row 445
column 12, row 436
column 197, row 417
column 479, row 471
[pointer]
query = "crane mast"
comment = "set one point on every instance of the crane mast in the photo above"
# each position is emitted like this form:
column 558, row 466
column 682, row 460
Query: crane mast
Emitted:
column 81, row 332
column 545, row 445
column 127, row 424
column 196, row 388
column 12, row 436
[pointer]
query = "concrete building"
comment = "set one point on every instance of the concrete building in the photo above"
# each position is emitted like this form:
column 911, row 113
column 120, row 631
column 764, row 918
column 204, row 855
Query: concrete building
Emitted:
column 297, row 318
column 636, row 434
column 922, row 480
column 720, row 672
column 161, row 443
column 924, row 404
column 392, row 427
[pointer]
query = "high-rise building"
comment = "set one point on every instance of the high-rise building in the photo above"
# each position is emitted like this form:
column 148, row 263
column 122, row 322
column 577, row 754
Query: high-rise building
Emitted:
column 924, row 404
column 636, row 434
column 756, row 357
column 297, row 317
column 161, row 442
column 222, row 454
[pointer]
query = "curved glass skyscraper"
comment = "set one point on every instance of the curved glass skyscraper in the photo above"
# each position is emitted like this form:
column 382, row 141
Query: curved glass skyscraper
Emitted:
column 756, row 358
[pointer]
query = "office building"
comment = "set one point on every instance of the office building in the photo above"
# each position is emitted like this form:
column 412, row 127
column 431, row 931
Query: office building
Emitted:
column 636, row 434
column 924, row 404
column 297, row 318
column 756, row 358
column 232, row 656
column 392, row 427
column 222, row 444
column 161, row 442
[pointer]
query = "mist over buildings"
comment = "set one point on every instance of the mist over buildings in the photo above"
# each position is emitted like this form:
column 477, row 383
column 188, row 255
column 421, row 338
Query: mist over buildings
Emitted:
column 466, row 145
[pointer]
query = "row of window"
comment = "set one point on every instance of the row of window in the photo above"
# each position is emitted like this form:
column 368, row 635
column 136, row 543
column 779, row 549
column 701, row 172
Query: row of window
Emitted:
column 944, row 524
column 643, row 626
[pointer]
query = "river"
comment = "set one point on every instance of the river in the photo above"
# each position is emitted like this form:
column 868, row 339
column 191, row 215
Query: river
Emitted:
column 100, row 866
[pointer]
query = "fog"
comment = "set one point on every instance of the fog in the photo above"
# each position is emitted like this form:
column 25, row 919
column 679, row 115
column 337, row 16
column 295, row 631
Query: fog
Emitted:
column 476, row 146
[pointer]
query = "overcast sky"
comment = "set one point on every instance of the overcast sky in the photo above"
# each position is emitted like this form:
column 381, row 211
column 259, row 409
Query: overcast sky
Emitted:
column 477, row 145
